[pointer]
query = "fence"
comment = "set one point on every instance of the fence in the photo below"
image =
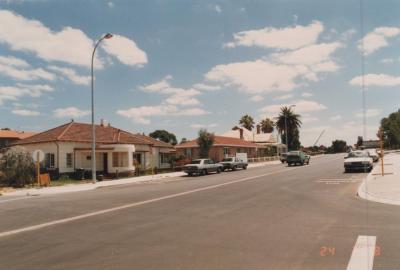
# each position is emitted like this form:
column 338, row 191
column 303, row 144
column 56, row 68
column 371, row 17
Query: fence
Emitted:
column 262, row 159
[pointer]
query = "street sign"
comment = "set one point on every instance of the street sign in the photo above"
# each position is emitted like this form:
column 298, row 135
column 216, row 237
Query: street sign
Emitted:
column 38, row 155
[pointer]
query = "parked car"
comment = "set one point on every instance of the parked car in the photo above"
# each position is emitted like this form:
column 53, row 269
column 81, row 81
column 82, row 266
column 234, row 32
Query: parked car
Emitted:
column 283, row 157
column 297, row 157
column 374, row 154
column 233, row 163
column 358, row 160
column 202, row 167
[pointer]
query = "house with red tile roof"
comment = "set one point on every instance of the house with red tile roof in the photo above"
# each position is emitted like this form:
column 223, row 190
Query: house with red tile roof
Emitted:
column 7, row 137
column 68, row 147
column 223, row 146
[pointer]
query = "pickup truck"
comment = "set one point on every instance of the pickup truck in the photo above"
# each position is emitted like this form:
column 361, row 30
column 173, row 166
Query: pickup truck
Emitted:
column 202, row 167
column 297, row 157
column 233, row 163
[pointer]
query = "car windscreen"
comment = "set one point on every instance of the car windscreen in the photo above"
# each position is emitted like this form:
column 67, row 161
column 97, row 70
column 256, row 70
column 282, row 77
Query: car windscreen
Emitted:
column 196, row 161
column 357, row 154
column 227, row 159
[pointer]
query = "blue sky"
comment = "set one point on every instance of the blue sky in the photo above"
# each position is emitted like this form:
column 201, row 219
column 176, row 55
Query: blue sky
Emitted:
column 183, row 65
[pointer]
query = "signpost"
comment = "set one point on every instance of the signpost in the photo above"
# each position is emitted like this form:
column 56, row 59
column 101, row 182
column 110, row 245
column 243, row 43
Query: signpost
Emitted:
column 38, row 156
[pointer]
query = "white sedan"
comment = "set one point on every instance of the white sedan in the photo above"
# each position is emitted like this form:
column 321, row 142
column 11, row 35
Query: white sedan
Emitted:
column 358, row 160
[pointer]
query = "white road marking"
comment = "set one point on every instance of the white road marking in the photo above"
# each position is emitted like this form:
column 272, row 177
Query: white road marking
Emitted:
column 362, row 257
column 131, row 205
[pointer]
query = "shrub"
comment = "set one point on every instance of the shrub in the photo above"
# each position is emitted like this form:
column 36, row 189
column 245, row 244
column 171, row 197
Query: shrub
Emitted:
column 17, row 168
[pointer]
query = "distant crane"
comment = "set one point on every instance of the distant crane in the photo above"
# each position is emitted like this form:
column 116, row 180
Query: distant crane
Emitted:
column 319, row 137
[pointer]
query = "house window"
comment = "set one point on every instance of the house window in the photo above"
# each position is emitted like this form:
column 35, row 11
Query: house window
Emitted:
column 226, row 151
column 50, row 160
column 188, row 152
column 115, row 158
column 69, row 160
column 120, row 159
column 164, row 158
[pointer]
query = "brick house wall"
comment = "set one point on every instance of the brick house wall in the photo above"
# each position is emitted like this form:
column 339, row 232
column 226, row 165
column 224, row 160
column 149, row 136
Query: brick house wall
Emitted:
column 217, row 153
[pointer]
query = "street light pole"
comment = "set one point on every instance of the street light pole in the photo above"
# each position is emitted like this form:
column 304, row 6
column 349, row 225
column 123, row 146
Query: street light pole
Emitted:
column 106, row 36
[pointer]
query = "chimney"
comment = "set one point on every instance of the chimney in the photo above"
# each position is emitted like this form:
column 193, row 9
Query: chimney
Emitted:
column 241, row 133
column 258, row 129
column 103, row 123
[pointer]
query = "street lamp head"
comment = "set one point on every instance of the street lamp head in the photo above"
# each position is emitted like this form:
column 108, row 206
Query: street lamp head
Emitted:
column 108, row 36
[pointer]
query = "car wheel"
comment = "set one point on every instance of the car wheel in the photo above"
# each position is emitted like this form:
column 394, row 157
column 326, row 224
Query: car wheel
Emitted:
column 204, row 172
column 244, row 167
column 190, row 174
column 234, row 168
column 218, row 170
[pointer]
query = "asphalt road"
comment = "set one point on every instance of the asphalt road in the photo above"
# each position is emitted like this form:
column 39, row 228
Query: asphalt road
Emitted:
column 272, row 217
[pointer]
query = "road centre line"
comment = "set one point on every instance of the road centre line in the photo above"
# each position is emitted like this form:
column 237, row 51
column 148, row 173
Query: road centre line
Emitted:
column 363, row 253
column 131, row 205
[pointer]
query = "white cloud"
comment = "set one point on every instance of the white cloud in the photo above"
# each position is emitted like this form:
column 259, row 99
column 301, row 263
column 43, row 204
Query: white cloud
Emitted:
column 257, row 76
column 302, row 106
column 257, row 98
column 125, row 50
column 310, row 55
column 307, row 94
column 292, row 37
column 19, row 73
column 308, row 119
column 206, row 87
column 388, row 60
column 369, row 113
column 20, row 90
column 198, row 126
column 23, row 112
column 377, row 39
column 376, row 80
column 69, row 45
column 13, row 61
column 142, row 114
column 110, row 4
column 288, row 96
column 178, row 96
column 336, row 117
column 70, row 112
column 217, row 8
column 71, row 75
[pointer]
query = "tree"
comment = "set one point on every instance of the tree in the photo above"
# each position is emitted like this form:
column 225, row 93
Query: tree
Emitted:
column 17, row 168
column 247, row 122
column 293, row 124
column 338, row 146
column 267, row 125
column 164, row 136
column 205, row 142
column 391, row 129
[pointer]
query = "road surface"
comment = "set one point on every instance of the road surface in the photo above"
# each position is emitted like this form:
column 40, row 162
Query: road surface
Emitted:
column 272, row 217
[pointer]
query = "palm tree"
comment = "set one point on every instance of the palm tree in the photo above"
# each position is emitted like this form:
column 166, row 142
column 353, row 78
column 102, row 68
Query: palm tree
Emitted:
column 267, row 125
column 247, row 122
column 290, row 122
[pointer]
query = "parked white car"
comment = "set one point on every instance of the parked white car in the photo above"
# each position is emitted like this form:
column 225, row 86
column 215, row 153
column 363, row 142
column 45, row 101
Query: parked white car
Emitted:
column 202, row 167
column 358, row 160
column 374, row 154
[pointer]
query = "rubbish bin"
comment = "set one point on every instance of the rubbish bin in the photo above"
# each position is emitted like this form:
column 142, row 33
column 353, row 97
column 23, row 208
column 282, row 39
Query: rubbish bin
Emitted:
column 80, row 173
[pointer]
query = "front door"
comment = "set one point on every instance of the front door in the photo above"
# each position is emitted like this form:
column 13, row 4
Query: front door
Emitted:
column 105, row 163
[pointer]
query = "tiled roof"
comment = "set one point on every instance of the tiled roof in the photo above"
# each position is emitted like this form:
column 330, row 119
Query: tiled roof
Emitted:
column 155, row 142
column 12, row 134
column 80, row 132
column 222, row 141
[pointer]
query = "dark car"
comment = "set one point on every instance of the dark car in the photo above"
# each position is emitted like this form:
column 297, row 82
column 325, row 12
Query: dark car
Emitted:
column 283, row 157
column 297, row 157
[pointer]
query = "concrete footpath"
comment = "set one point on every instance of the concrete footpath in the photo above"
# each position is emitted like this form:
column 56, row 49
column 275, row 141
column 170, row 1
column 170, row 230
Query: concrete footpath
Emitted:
column 383, row 189
column 108, row 183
